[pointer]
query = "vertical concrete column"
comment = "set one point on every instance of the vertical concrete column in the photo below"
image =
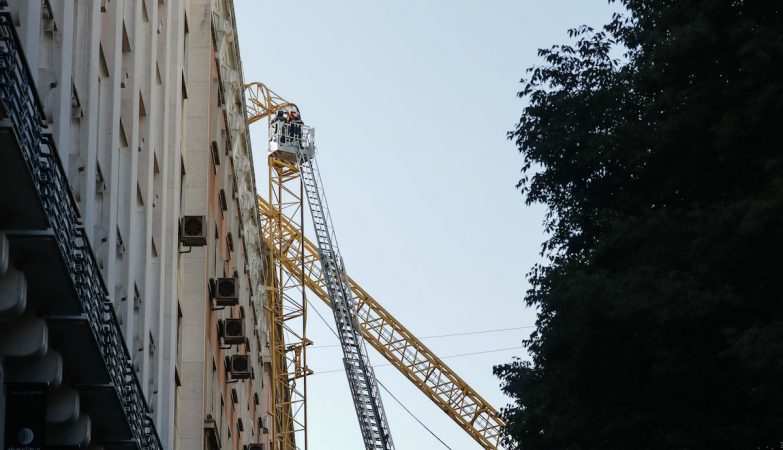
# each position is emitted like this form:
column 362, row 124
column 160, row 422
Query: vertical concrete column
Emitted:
column 195, row 202
column 172, row 13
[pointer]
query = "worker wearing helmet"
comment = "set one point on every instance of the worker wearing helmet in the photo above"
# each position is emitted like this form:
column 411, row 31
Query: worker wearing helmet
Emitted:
column 278, row 131
column 296, row 127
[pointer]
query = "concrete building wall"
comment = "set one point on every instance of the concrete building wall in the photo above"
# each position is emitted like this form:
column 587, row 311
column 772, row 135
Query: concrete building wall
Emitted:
column 109, row 75
column 219, row 184
column 145, row 102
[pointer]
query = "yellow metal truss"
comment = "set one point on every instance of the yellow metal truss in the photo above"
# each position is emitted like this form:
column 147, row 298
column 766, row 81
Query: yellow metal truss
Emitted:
column 286, row 306
column 389, row 337
column 260, row 102
column 297, row 265
column 286, row 310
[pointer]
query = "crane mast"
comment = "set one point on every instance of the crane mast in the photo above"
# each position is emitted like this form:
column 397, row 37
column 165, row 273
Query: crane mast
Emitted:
column 286, row 302
column 292, row 156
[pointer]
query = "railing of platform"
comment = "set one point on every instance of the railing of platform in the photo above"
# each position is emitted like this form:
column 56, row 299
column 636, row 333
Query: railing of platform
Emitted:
column 292, row 134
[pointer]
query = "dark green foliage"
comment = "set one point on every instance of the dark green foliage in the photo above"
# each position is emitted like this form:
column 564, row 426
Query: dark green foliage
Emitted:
column 661, row 309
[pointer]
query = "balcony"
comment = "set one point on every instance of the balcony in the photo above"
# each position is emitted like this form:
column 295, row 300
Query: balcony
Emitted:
column 64, row 340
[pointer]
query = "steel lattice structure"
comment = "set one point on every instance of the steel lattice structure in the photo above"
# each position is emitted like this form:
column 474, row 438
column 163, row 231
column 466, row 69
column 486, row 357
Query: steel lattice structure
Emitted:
column 395, row 342
column 261, row 102
column 361, row 377
column 320, row 268
column 287, row 313
column 286, row 305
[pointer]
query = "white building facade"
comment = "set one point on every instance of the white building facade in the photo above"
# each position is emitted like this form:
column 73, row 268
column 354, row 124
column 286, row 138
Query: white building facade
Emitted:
column 141, row 103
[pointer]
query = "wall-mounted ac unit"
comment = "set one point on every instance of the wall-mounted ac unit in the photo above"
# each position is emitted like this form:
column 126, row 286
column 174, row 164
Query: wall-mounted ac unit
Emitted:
column 239, row 367
column 232, row 331
column 225, row 291
column 193, row 231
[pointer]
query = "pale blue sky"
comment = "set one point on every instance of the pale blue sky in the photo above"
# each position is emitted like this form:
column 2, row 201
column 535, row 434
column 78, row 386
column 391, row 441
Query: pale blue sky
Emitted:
column 411, row 101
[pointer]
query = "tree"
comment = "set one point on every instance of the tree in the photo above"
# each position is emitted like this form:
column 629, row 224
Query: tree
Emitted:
column 656, row 144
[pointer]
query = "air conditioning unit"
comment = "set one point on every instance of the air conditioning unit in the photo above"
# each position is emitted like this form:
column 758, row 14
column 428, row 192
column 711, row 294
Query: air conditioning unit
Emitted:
column 239, row 367
column 232, row 331
column 255, row 447
column 193, row 231
column 226, row 292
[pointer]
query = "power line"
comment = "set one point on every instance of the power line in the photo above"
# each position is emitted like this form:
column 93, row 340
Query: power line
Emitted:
column 412, row 415
column 497, row 330
column 328, row 325
column 442, row 357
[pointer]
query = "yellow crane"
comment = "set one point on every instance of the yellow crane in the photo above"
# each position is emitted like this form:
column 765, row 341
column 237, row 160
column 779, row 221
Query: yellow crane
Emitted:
column 300, row 259
column 286, row 304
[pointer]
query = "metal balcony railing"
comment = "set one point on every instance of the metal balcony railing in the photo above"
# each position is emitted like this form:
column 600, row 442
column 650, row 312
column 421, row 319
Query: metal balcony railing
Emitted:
column 21, row 105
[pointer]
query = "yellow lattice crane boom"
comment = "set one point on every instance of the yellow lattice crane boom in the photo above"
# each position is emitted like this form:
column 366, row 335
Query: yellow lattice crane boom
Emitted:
column 261, row 102
column 395, row 342
column 298, row 264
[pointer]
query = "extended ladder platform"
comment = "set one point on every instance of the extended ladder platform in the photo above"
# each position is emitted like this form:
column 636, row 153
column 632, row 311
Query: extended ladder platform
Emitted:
column 361, row 378
column 288, row 141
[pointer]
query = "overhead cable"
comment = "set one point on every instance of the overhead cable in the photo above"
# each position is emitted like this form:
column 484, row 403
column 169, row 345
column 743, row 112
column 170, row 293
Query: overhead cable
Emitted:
column 328, row 325
column 412, row 415
column 442, row 357
column 466, row 333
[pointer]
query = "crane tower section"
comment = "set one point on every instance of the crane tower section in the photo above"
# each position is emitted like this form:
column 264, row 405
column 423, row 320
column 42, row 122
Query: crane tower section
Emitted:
column 298, row 262
column 291, row 140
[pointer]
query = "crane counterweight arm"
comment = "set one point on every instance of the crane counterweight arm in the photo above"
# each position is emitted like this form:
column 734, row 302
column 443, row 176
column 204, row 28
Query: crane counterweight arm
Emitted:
column 260, row 102
column 392, row 340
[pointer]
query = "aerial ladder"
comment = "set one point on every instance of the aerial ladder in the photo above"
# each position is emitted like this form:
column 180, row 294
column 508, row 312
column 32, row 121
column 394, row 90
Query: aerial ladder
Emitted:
column 359, row 317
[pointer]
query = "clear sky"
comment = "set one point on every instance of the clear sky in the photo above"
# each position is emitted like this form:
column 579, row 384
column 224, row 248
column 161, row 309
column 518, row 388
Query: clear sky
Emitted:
column 411, row 101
